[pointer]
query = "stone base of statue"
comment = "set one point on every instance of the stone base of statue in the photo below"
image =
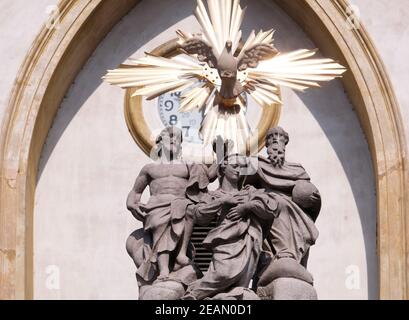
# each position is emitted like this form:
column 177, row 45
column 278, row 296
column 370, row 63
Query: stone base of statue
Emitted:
column 287, row 289
column 285, row 279
column 237, row 293
column 172, row 288
column 163, row 290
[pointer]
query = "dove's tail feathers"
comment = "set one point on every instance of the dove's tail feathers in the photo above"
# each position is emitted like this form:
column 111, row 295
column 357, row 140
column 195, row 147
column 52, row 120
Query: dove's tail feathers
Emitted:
column 228, row 122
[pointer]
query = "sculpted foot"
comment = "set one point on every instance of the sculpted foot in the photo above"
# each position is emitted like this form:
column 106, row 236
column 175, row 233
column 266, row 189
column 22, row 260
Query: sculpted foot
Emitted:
column 163, row 276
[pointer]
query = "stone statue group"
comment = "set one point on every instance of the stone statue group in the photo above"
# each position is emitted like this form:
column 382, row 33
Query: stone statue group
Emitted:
column 264, row 224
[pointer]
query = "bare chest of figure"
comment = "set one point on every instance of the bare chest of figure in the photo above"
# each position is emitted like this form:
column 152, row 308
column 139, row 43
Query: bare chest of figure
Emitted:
column 168, row 179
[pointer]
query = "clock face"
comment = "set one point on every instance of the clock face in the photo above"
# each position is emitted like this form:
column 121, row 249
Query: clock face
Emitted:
column 189, row 122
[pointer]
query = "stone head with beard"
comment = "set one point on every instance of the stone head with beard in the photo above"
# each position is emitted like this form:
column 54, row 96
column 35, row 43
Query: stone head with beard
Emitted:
column 276, row 141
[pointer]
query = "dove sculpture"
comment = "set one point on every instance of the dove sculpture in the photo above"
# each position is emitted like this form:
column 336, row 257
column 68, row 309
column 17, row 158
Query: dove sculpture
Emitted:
column 216, row 70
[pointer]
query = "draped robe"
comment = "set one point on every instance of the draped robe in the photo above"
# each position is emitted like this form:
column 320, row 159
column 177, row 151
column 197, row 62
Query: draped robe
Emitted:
column 165, row 221
column 236, row 245
column 293, row 231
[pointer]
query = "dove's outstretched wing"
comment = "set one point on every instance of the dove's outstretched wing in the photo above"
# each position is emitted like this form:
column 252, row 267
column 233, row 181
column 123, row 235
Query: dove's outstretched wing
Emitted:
column 203, row 51
column 255, row 54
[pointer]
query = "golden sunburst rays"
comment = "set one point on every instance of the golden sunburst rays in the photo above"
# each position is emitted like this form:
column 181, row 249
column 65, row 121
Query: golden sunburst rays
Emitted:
column 197, row 98
column 153, row 76
column 294, row 70
column 228, row 123
column 195, row 72
column 221, row 24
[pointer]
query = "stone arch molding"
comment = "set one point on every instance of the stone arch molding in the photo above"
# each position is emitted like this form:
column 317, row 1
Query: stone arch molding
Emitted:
column 57, row 56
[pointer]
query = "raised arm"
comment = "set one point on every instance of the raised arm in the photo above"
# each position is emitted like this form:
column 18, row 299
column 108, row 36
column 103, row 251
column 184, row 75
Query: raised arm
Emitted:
column 134, row 197
column 205, row 212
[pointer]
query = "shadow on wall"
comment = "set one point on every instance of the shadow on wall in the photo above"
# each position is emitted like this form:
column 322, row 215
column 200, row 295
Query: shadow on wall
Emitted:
column 343, row 141
column 138, row 29
column 340, row 128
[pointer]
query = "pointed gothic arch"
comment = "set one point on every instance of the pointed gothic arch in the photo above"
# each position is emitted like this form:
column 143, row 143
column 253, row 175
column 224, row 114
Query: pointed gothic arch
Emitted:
column 57, row 56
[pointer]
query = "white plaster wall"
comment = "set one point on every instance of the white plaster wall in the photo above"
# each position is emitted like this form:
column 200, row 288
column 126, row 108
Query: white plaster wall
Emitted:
column 20, row 21
column 387, row 23
column 90, row 162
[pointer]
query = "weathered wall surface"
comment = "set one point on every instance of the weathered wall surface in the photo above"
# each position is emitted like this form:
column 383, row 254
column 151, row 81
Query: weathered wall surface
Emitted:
column 387, row 23
column 20, row 21
column 90, row 161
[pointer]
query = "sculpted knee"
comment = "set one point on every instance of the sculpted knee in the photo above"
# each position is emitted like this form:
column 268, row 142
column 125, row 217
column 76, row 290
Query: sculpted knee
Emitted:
column 284, row 268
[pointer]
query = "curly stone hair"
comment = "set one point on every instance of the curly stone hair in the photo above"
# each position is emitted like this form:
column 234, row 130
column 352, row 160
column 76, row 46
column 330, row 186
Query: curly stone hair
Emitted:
column 166, row 131
column 279, row 130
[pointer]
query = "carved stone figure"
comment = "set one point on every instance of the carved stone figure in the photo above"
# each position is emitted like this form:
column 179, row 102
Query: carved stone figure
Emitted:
column 161, row 250
column 293, row 230
column 265, row 224
column 244, row 218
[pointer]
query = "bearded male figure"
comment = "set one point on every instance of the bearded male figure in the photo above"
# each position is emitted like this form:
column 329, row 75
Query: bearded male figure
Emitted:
column 174, row 185
column 293, row 230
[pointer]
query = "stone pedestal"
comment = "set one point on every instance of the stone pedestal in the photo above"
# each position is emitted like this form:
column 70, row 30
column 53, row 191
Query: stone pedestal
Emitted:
column 287, row 289
column 164, row 290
